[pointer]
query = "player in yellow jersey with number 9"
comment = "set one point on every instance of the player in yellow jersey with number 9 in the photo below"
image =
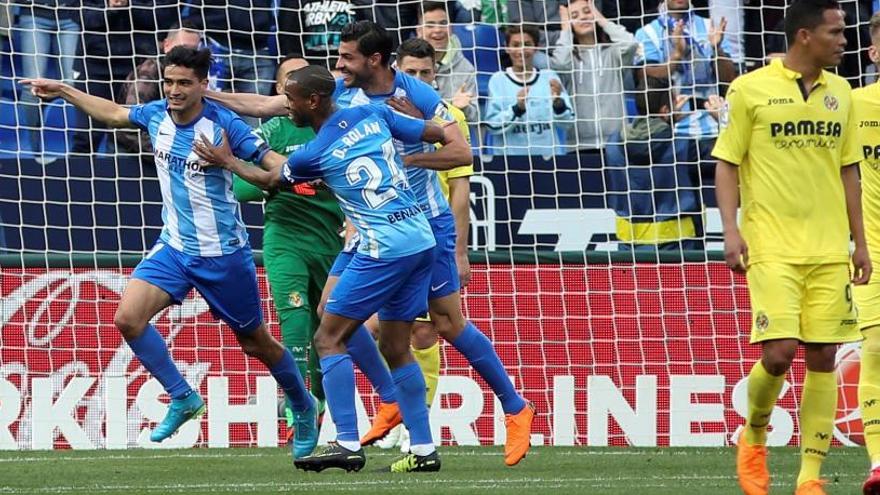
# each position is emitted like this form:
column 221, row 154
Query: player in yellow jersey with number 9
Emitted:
column 788, row 142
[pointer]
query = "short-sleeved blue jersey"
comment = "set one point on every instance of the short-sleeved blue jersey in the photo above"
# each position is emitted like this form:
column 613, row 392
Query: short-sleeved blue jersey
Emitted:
column 424, row 182
column 200, row 214
column 355, row 155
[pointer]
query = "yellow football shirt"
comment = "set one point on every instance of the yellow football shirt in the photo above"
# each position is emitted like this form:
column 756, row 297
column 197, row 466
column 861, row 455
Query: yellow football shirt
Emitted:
column 790, row 148
column 866, row 102
column 464, row 170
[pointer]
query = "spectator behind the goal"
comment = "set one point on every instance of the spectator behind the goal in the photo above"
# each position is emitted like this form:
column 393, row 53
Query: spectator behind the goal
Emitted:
column 115, row 34
column 398, row 18
column 238, row 33
column 456, row 79
column 143, row 85
column 591, row 56
column 313, row 28
column 44, row 26
column 529, row 111
column 652, row 177
column 687, row 48
column 541, row 14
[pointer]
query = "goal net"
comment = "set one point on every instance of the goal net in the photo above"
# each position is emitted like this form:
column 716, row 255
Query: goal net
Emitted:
column 615, row 342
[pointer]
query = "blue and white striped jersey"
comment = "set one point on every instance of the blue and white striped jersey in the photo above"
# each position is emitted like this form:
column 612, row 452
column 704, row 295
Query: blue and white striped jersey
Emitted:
column 200, row 214
column 696, row 75
column 424, row 183
column 355, row 156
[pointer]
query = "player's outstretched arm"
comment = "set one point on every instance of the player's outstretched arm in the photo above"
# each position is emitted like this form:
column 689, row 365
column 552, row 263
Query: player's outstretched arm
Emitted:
column 266, row 178
column 736, row 252
column 455, row 151
column 250, row 104
column 853, row 190
column 109, row 112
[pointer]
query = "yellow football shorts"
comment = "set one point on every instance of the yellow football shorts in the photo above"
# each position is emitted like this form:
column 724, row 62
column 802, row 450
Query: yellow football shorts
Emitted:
column 867, row 298
column 810, row 303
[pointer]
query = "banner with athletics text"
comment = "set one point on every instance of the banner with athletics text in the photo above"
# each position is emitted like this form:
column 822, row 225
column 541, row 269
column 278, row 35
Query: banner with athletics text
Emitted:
column 610, row 354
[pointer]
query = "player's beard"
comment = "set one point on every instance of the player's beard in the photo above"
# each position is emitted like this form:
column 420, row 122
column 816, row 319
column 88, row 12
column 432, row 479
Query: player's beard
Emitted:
column 360, row 79
column 301, row 119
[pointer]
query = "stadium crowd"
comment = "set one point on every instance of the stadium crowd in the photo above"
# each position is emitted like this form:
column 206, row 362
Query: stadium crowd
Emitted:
column 591, row 47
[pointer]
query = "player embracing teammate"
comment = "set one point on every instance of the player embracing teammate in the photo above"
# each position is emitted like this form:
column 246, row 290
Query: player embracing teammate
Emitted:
column 364, row 61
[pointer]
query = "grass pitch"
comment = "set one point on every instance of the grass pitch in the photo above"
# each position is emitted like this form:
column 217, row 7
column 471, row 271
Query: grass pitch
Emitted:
column 465, row 471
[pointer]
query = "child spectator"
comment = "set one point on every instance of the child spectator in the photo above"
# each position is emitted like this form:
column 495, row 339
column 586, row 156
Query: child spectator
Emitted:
column 528, row 109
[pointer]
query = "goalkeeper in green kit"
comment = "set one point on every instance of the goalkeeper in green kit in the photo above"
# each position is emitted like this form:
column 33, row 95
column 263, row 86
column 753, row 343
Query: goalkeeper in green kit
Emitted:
column 300, row 241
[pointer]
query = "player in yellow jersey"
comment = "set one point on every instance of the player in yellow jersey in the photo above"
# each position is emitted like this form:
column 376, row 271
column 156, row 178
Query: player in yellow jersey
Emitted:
column 867, row 116
column 788, row 143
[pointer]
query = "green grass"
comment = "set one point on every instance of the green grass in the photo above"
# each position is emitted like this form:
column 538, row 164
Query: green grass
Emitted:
column 465, row 470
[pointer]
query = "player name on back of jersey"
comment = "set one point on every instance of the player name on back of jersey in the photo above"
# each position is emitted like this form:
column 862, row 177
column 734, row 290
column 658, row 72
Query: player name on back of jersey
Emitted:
column 177, row 164
column 352, row 137
column 404, row 214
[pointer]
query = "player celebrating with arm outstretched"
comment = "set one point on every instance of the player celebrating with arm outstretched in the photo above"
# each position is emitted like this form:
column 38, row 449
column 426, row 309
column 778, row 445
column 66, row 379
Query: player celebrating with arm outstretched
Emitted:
column 203, row 244
column 788, row 140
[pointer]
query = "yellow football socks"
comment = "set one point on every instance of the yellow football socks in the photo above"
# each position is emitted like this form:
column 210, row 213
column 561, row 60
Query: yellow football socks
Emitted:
column 429, row 361
column 818, row 406
column 869, row 392
column 763, row 391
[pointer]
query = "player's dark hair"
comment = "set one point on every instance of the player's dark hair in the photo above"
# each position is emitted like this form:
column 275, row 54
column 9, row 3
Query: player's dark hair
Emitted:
column 312, row 80
column 371, row 38
column 432, row 6
column 528, row 29
column 199, row 60
column 805, row 14
column 415, row 47
column 652, row 95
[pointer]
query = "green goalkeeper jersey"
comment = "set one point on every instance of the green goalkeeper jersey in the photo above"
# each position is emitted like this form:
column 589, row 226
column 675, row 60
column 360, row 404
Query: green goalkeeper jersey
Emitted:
column 313, row 221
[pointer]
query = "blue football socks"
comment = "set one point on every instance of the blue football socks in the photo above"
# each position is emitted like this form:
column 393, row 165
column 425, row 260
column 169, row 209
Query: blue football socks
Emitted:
column 411, row 400
column 365, row 354
column 339, row 388
column 482, row 356
column 152, row 352
column 287, row 375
